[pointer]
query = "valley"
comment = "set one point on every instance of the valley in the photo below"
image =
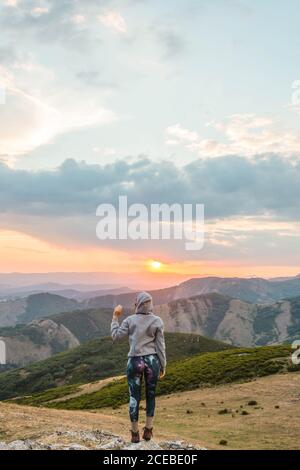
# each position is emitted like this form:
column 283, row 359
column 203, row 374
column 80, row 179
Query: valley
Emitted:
column 213, row 315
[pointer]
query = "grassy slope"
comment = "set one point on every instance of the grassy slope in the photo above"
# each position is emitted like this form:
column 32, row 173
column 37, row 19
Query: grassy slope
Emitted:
column 188, row 374
column 92, row 361
column 192, row 416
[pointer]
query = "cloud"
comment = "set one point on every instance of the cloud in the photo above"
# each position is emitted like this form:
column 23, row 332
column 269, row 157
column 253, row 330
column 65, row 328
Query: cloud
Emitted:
column 39, row 11
column 31, row 120
column 51, row 21
column 251, row 206
column 113, row 20
column 228, row 186
column 240, row 134
column 178, row 134
column 11, row 3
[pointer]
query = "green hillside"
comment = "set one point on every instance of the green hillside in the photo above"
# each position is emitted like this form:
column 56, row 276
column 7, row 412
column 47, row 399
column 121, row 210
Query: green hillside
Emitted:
column 188, row 374
column 92, row 361
column 45, row 304
column 86, row 324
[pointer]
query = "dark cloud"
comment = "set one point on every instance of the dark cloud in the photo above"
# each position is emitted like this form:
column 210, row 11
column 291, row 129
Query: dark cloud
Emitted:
column 228, row 186
column 60, row 205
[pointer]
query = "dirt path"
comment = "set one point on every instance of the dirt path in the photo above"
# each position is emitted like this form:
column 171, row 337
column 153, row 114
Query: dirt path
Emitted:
column 89, row 388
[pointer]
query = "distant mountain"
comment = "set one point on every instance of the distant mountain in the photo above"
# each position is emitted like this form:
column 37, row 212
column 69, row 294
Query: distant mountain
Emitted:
column 232, row 320
column 14, row 312
column 24, row 309
column 76, row 291
column 160, row 296
column 255, row 290
column 93, row 360
column 44, row 324
column 42, row 338
column 36, row 341
column 213, row 315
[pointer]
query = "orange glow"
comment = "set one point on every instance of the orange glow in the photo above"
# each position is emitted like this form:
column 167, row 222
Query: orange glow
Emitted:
column 24, row 253
column 155, row 265
column 20, row 252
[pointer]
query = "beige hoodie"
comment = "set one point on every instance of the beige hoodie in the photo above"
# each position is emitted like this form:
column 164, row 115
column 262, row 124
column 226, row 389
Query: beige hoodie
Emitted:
column 145, row 333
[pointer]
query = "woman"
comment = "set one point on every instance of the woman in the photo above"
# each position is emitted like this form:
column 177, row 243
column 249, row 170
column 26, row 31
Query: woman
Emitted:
column 147, row 357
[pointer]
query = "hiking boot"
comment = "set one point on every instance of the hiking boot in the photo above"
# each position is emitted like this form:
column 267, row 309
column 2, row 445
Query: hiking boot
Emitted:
column 135, row 437
column 147, row 434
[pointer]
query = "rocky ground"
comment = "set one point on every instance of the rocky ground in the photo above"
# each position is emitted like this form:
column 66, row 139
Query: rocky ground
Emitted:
column 91, row 440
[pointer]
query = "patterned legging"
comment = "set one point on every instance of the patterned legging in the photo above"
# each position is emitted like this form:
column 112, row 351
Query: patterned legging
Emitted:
column 137, row 367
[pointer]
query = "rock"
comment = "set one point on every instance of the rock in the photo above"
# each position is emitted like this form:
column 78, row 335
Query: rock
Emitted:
column 172, row 445
column 116, row 443
column 75, row 447
column 87, row 436
column 179, row 445
column 91, row 440
column 4, row 446
column 143, row 445
column 20, row 445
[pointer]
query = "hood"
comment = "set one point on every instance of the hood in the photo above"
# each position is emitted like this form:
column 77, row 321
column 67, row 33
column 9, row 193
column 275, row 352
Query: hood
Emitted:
column 143, row 303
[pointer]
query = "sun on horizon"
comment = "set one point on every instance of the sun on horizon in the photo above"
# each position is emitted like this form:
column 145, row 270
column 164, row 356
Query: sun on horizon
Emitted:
column 155, row 265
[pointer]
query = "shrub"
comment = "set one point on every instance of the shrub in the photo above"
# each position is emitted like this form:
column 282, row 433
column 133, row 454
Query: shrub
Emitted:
column 223, row 442
column 252, row 402
column 223, row 412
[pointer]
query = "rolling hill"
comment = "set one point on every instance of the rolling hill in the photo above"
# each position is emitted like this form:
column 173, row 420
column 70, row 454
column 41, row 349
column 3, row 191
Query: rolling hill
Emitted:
column 24, row 310
column 91, row 361
column 45, row 337
column 200, row 370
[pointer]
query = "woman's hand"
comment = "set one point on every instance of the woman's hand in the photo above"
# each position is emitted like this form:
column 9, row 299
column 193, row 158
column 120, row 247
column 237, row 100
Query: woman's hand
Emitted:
column 162, row 373
column 117, row 312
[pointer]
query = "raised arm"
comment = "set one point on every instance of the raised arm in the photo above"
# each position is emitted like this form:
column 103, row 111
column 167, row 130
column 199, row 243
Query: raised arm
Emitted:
column 118, row 331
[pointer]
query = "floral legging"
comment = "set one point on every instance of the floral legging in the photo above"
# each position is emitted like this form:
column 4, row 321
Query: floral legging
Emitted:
column 137, row 367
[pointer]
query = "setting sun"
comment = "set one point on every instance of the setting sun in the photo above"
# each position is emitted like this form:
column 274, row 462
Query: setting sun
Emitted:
column 156, row 265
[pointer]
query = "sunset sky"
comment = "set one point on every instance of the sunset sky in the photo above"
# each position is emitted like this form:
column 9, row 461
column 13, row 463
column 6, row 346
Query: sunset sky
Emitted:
column 174, row 101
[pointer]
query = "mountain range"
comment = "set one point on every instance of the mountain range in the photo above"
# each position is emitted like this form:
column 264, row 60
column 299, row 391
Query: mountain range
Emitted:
column 256, row 290
column 213, row 315
column 232, row 320
column 241, row 312
column 44, row 337
column 26, row 308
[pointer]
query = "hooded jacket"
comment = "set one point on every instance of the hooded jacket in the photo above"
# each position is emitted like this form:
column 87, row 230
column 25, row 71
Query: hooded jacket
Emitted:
column 144, row 330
